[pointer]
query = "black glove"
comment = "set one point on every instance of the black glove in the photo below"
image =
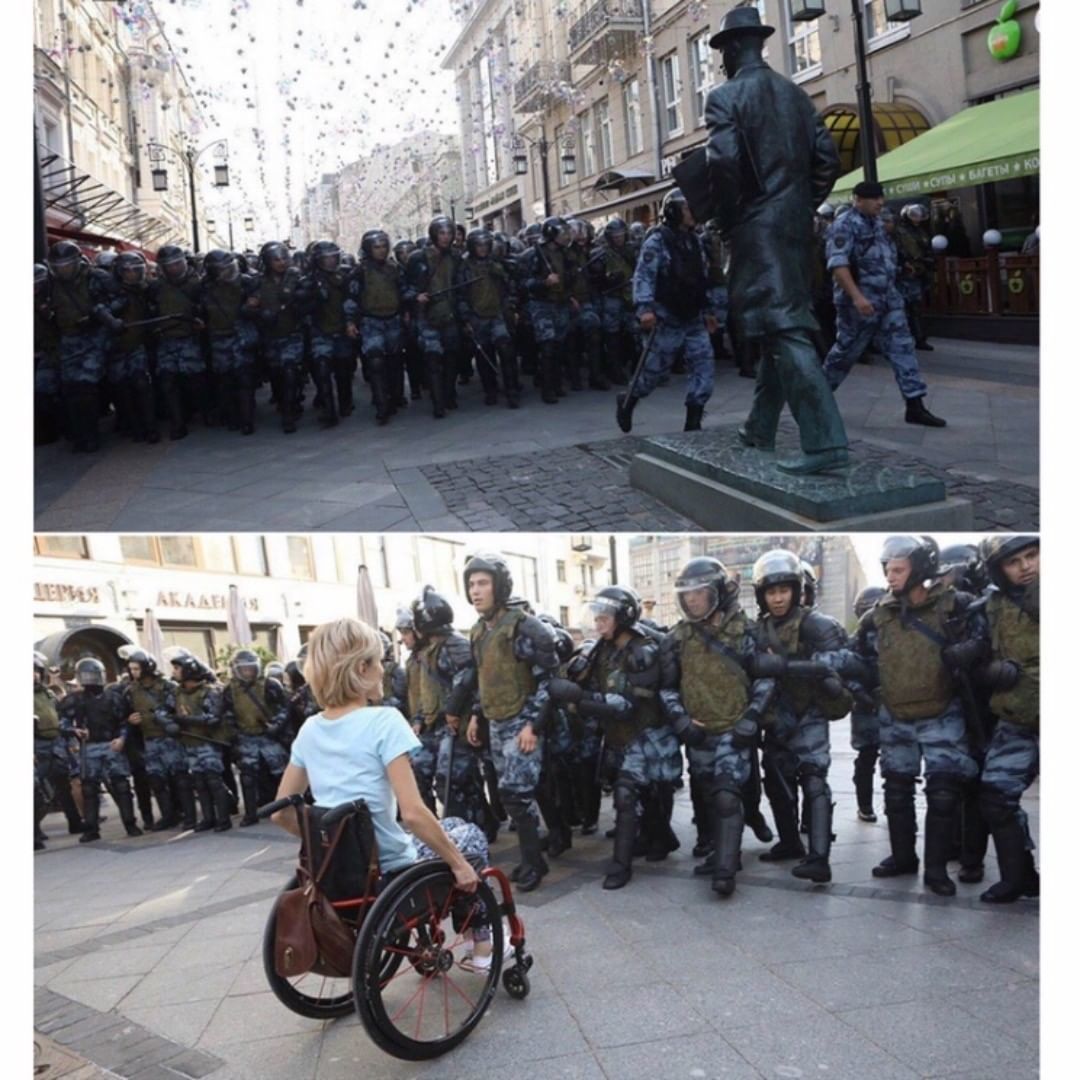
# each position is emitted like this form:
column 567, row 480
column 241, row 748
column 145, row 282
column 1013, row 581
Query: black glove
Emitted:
column 691, row 734
column 746, row 731
column 962, row 655
column 769, row 665
column 113, row 323
column 832, row 686
column 1000, row 674
column 565, row 691
column 172, row 728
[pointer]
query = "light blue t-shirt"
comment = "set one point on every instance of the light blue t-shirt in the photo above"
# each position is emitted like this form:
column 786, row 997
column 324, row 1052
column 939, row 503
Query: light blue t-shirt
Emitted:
column 347, row 759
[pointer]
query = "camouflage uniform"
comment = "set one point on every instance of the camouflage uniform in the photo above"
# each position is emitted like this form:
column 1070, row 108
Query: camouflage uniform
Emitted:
column 430, row 270
column 861, row 244
column 256, row 712
column 52, row 761
column 198, row 713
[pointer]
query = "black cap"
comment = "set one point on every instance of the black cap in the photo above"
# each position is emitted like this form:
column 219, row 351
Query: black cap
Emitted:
column 868, row 189
column 740, row 20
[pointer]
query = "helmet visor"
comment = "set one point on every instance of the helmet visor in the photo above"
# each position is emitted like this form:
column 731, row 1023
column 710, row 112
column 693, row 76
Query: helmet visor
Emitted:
column 698, row 598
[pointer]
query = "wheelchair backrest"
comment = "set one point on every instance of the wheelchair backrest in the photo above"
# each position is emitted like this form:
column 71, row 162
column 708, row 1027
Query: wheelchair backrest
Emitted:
column 345, row 862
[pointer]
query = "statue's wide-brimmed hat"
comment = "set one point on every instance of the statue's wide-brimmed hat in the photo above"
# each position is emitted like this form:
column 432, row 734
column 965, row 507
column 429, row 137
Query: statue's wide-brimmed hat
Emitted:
column 740, row 20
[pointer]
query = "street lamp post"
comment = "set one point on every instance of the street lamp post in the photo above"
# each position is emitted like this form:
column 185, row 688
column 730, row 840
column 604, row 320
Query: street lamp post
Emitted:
column 190, row 156
column 521, row 161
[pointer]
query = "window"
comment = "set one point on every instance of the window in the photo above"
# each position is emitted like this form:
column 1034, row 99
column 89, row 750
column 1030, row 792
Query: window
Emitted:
column 488, row 99
column 604, row 137
column 877, row 26
column 588, row 145
column 701, row 74
column 61, row 547
column 632, row 117
column 564, row 615
column 804, row 45
column 178, row 551
column 250, row 554
column 672, row 90
column 560, row 570
column 217, row 552
column 199, row 641
column 300, row 565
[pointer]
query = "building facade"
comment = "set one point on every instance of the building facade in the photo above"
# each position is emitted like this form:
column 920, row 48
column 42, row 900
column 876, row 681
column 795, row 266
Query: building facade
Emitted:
column 585, row 107
column 92, row 593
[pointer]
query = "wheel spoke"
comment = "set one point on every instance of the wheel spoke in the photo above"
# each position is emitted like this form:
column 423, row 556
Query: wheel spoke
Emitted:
column 454, row 986
column 424, row 980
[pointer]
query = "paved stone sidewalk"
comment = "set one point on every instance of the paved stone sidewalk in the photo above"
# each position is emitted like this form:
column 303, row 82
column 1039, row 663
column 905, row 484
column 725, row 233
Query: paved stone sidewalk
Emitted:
column 364, row 478
column 147, row 962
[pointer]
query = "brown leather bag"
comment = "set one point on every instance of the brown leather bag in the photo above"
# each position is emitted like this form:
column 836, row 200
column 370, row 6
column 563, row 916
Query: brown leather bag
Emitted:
column 309, row 933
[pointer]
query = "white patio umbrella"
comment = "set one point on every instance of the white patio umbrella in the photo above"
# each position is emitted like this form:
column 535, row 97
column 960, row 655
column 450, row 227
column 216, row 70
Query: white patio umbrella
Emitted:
column 236, row 618
column 365, row 598
column 286, row 642
column 152, row 639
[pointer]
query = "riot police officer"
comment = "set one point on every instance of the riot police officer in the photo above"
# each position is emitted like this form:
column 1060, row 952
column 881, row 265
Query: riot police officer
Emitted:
column 254, row 708
column 923, row 638
column 48, row 420
column 671, row 292
column 807, row 653
column 715, row 707
column 514, row 656
column 1012, row 676
column 281, row 329
column 89, row 714
column 614, row 277
column 546, row 275
column 916, row 268
column 621, row 686
column 333, row 352
column 865, row 733
column 395, row 685
column 146, row 700
column 181, row 363
column 586, row 328
column 50, row 751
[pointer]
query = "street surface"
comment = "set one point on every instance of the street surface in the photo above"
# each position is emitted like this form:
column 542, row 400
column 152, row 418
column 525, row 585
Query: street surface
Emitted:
column 540, row 467
column 148, row 964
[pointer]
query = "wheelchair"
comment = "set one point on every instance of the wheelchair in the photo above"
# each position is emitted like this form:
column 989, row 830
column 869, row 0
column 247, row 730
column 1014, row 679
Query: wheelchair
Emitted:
column 412, row 983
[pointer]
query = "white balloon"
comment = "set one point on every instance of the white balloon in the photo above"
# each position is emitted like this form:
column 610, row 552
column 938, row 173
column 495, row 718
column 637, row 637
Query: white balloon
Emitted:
column 939, row 243
column 992, row 238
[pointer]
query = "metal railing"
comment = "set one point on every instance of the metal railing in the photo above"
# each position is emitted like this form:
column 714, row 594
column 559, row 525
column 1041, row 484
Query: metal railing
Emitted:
column 540, row 77
column 599, row 16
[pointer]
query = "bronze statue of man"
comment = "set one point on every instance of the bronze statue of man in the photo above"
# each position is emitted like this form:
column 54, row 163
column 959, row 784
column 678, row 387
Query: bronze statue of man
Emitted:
column 770, row 162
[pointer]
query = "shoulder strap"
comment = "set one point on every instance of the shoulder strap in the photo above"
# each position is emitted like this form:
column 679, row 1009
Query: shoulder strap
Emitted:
column 257, row 703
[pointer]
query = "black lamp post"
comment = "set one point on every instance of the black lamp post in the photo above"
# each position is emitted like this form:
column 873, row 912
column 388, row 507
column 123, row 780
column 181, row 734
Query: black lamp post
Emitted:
column 190, row 156
column 895, row 11
column 521, row 161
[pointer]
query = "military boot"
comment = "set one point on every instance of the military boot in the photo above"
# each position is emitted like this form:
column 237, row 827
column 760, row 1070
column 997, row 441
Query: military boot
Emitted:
column 222, row 821
column 624, row 411
column 250, row 786
column 703, row 820
column 91, row 810
column 185, row 792
column 533, row 864
column 597, row 378
column 1017, row 867
column 815, row 867
column 511, row 380
column 126, row 805
column 785, row 815
column 900, row 813
column 343, row 377
column 436, row 385
column 727, row 811
column 661, row 840
column 974, row 837
column 942, row 799
column 380, row 391
column 588, row 791
column 206, row 804
column 324, row 395
column 549, row 374
column 865, row 760
column 159, row 785
column 620, row 869
column 173, row 396
column 694, row 413
column 916, row 412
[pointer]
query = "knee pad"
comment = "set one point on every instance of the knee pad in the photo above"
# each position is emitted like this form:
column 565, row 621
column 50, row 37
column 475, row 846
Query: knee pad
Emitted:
column 899, row 790
column 943, row 794
column 727, row 800
column 814, row 783
column 624, row 798
column 996, row 807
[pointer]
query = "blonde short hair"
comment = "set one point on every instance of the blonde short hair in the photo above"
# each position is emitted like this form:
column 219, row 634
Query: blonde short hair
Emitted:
column 342, row 662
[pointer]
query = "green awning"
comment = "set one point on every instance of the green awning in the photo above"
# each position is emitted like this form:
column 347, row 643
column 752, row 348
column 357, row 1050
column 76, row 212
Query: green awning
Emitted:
column 981, row 145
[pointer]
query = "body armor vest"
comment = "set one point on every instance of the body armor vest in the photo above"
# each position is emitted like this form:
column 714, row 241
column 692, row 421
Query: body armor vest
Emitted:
column 72, row 303
column 330, row 313
column 785, row 638
column 714, row 687
column 505, row 681
column 609, row 677
column 135, row 310
column 412, row 684
column 95, row 713
column 46, row 334
column 1014, row 635
column 682, row 288
column 145, row 698
column 484, row 296
column 440, row 312
column 576, row 258
column 276, row 294
column 190, row 703
column 714, row 250
column 179, row 299
column 556, row 259
column 382, row 290
column 619, row 268
column 223, row 302
column 250, row 719
column 47, row 719
column 915, row 684
column 432, row 692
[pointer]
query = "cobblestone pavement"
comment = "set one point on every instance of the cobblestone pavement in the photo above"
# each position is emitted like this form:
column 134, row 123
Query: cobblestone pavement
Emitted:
column 364, row 478
column 147, row 963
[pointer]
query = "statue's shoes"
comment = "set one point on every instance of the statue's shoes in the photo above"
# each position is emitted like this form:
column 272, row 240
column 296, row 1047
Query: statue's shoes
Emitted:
column 749, row 441
column 806, row 464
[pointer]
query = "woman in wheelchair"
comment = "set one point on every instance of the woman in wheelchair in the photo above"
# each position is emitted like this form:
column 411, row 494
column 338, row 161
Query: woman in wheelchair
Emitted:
column 384, row 885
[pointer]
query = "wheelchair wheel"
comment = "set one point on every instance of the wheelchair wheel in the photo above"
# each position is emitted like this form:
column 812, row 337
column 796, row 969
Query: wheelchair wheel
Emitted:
column 516, row 982
column 429, row 1005
column 309, row 994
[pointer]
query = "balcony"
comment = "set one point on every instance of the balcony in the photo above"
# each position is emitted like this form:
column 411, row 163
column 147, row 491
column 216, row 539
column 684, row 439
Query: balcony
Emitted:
column 609, row 30
column 536, row 89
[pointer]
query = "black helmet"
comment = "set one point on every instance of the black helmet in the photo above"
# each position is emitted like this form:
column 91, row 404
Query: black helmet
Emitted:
column 402, row 250
column 295, row 672
column 325, row 255
column 372, row 239
column 192, row 669
column 404, row 620
column 614, row 228
column 532, row 234
column 809, row 590
column 475, row 239
column 64, row 254
column 172, row 262
column 246, row 665
column 778, row 567
column 145, row 661
column 922, row 551
column 704, row 572
column 105, row 260
column 867, row 599
column 964, row 561
column 621, row 602
column 564, row 643
column 221, row 265
column 497, row 567
column 387, row 646
column 41, row 662
column 996, row 549
column 500, row 245
column 437, row 226
column 127, row 264
column 272, row 249
column 671, row 209
column 275, row 670
column 89, row 671
column 431, row 612
column 555, row 228
column 637, row 231
column 41, row 274
column 521, row 602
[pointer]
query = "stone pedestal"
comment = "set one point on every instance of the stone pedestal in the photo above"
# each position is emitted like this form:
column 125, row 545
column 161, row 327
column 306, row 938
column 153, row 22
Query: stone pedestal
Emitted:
column 711, row 478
